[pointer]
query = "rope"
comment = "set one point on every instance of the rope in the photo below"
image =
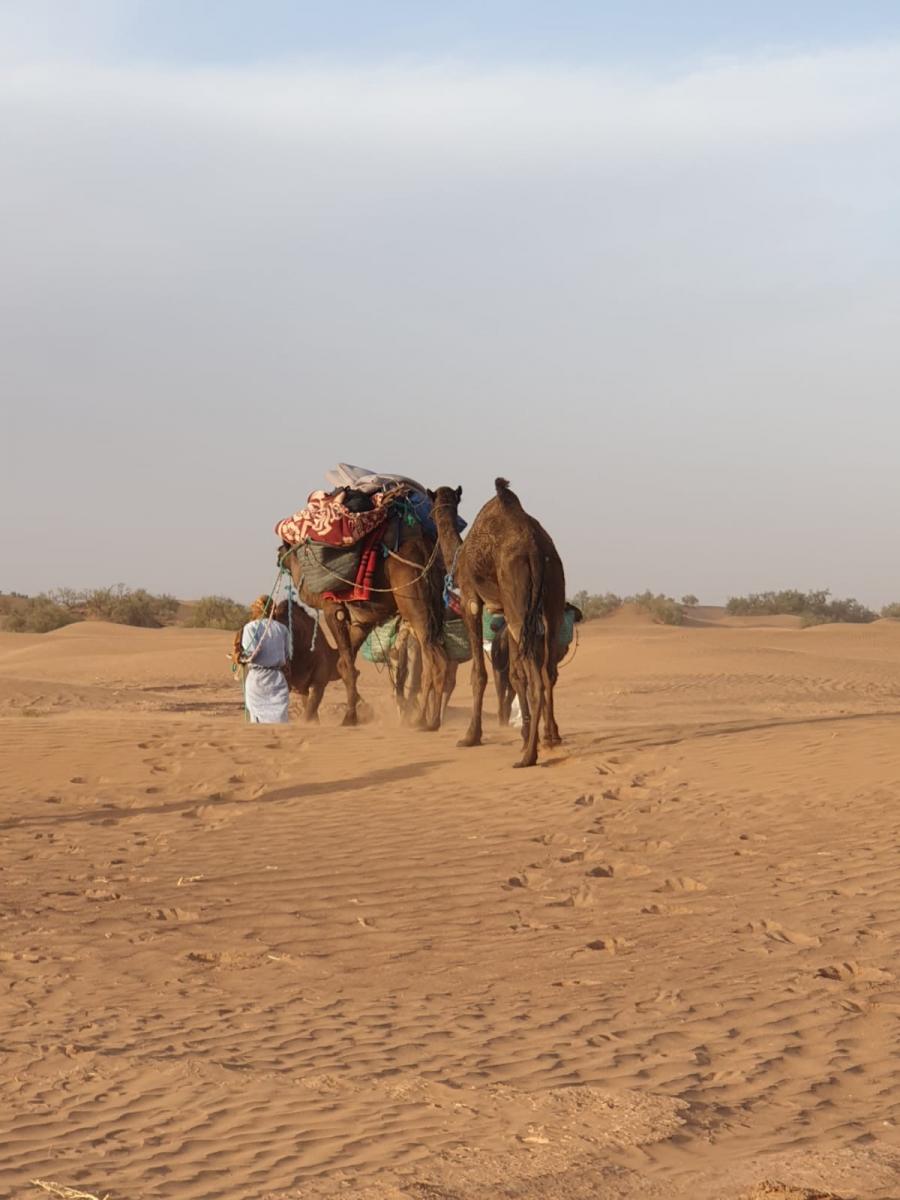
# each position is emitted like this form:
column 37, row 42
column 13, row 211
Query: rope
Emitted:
column 448, row 578
column 573, row 646
column 382, row 591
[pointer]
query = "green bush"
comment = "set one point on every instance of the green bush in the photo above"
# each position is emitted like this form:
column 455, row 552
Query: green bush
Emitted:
column 813, row 608
column 690, row 600
column 36, row 614
column 218, row 612
column 892, row 611
column 593, row 607
column 663, row 609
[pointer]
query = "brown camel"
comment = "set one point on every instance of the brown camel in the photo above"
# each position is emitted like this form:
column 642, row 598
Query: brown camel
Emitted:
column 508, row 563
column 407, row 582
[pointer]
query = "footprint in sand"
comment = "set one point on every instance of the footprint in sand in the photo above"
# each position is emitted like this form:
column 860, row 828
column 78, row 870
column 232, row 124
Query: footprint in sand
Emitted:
column 683, row 883
column 619, row 870
column 608, row 944
column 777, row 933
column 853, row 972
column 582, row 897
column 536, row 880
column 173, row 914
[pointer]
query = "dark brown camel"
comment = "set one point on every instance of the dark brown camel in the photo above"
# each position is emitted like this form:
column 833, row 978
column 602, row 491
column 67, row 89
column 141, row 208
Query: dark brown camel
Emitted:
column 314, row 664
column 508, row 563
column 407, row 582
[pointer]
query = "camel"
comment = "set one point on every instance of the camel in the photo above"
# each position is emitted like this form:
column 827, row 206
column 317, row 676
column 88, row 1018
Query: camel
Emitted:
column 406, row 660
column 508, row 563
column 314, row 664
column 406, row 582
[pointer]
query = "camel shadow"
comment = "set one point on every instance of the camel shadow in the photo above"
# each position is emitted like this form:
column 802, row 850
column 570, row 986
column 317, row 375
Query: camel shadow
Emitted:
column 112, row 814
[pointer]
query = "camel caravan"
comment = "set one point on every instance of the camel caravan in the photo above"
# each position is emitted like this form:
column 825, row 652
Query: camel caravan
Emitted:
column 382, row 563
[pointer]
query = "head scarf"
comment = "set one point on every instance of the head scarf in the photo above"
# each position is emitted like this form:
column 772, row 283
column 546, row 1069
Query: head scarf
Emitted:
column 260, row 607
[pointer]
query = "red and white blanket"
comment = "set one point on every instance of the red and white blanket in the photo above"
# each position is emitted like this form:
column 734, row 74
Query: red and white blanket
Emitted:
column 326, row 520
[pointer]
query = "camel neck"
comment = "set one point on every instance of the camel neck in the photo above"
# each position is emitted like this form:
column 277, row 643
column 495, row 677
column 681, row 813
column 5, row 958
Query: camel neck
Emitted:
column 448, row 535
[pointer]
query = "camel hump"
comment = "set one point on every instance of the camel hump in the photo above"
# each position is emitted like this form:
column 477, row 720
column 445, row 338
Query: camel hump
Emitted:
column 504, row 494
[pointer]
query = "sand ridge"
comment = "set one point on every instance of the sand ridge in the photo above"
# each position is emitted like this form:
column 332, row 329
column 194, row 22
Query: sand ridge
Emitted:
column 259, row 962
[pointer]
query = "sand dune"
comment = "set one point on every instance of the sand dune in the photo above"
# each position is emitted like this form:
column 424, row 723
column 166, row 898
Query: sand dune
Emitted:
column 299, row 962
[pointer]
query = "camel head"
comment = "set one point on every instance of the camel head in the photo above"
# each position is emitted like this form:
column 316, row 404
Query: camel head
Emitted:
column 446, row 497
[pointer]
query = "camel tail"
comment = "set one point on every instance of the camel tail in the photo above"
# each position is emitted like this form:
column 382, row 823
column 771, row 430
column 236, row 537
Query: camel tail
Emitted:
column 533, row 632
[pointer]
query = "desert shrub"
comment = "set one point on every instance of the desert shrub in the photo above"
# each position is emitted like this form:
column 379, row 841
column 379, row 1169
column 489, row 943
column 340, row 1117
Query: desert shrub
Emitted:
column 813, row 608
column 850, row 611
column 127, row 606
column 690, row 600
column 69, row 598
column 593, row 607
column 892, row 611
column 218, row 612
column 663, row 609
column 36, row 614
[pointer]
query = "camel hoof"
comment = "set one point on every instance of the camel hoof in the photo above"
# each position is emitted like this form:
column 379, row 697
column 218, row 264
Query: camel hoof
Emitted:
column 350, row 720
column 468, row 740
column 528, row 762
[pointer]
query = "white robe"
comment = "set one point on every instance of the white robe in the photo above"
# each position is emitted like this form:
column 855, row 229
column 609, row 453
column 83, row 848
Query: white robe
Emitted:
column 266, row 691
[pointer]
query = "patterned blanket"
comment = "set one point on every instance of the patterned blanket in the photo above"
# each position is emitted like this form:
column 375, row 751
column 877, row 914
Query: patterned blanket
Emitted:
column 326, row 519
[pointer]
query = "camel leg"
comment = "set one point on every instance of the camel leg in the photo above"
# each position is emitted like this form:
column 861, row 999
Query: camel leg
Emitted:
column 503, row 712
column 434, row 675
column 414, row 699
column 339, row 624
column 500, row 672
column 430, row 661
column 549, row 676
column 401, row 670
column 418, row 604
column 517, row 685
column 473, row 622
column 313, row 700
column 532, row 673
column 449, row 687
column 526, row 673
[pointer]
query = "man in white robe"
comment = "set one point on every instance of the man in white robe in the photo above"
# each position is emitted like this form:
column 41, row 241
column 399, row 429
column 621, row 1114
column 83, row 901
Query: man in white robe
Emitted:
column 265, row 650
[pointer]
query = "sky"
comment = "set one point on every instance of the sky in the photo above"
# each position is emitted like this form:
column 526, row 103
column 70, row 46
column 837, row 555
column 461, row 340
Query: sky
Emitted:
column 640, row 258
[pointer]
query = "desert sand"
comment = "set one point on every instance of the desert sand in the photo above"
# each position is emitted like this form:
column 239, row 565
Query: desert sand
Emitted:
column 257, row 962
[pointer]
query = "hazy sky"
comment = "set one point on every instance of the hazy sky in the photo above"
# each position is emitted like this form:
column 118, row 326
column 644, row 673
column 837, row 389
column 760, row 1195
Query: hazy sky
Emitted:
column 642, row 258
